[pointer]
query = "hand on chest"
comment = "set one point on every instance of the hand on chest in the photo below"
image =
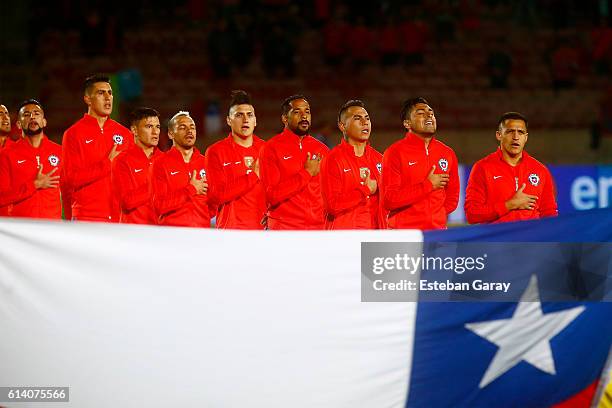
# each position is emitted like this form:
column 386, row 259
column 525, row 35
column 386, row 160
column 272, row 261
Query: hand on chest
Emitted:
column 291, row 158
column 236, row 165
column 181, row 174
column 29, row 164
column 103, row 143
column 507, row 182
column 417, row 165
column 357, row 170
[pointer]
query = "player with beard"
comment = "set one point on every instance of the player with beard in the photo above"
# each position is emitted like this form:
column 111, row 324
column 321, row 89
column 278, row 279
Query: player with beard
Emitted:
column 29, row 169
column 351, row 174
column 509, row 184
column 290, row 166
column 420, row 173
column 233, row 167
column 131, row 172
column 179, row 178
column 90, row 146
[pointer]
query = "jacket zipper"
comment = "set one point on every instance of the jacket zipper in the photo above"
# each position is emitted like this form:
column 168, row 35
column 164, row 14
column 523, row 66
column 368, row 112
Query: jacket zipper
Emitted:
column 303, row 203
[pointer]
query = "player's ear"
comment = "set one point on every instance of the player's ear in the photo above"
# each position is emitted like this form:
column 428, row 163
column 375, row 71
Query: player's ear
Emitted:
column 44, row 123
column 284, row 119
column 87, row 99
column 133, row 129
column 526, row 137
column 18, row 123
column 498, row 136
column 406, row 124
column 341, row 127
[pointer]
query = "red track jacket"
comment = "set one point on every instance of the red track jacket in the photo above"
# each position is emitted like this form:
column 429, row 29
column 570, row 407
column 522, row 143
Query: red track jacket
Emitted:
column 18, row 169
column 174, row 198
column 234, row 189
column 493, row 181
column 88, row 170
column 294, row 197
column 131, row 177
column 408, row 194
column 348, row 202
column 7, row 142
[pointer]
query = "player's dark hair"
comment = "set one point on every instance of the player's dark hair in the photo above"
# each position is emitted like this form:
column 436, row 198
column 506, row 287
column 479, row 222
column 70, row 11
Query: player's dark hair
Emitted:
column 239, row 97
column 286, row 106
column 29, row 102
column 142, row 113
column 94, row 79
column 409, row 105
column 511, row 116
column 348, row 104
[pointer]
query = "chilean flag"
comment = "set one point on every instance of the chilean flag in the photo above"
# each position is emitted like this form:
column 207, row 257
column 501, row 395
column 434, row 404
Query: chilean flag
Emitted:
column 526, row 354
column 128, row 315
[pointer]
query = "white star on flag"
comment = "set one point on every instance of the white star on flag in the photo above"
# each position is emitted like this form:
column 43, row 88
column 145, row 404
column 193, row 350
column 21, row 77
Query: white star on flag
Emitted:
column 524, row 337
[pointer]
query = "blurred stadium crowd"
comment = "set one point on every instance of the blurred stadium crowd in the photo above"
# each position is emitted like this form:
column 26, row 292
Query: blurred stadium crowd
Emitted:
column 470, row 58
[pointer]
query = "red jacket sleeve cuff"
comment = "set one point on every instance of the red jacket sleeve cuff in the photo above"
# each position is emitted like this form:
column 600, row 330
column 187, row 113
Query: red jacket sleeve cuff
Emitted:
column 500, row 209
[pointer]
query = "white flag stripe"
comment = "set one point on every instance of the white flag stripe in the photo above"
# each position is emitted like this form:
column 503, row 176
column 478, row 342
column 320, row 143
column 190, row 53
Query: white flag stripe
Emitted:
column 147, row 316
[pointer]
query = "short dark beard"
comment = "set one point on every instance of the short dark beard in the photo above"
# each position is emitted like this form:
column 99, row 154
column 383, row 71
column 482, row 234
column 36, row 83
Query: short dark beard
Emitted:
column 29, row 132
column 299, row 131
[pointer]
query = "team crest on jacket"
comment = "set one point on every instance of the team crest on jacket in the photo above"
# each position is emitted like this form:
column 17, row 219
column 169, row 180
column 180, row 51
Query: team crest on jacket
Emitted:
column 53, row 160
column 364, row 172
column 118, row 139
column 248, row 161
column 443, row 163
column 379, row 167
column 202, row 173
column 534, row 179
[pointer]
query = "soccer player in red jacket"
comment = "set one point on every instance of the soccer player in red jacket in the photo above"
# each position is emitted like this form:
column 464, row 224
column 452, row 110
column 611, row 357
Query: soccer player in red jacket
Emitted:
column 509, row 184
column 29, row 168
column 179, row 178
column 233, row 169
column 5, row 141
column 351, row 174
column 131, row 171
column 89, row 147
column 290, row 166
column 420, row 177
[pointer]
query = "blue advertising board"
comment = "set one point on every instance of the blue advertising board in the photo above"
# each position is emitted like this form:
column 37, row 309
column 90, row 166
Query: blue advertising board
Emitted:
column 579, row 187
